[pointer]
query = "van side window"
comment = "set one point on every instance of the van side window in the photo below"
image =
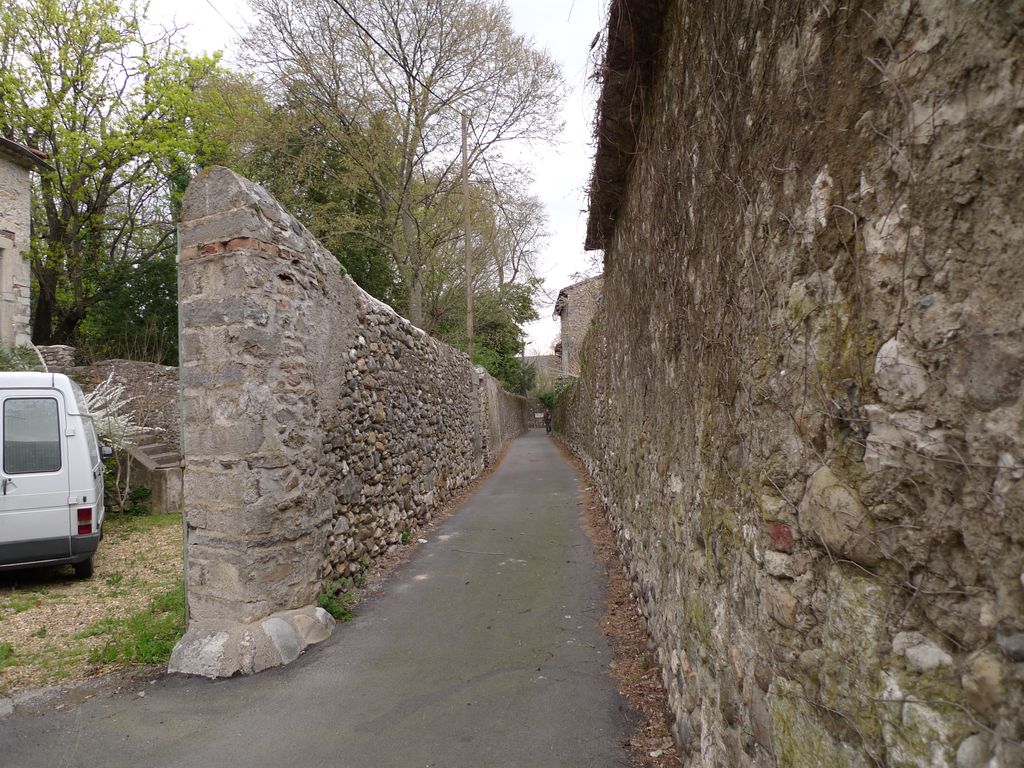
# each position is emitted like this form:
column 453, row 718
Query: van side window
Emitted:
column 90, row 431
column 90, row 440
column 31, row 435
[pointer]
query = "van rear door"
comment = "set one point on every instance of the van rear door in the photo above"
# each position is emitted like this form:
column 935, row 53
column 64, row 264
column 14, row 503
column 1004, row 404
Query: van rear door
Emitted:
column 35, row 519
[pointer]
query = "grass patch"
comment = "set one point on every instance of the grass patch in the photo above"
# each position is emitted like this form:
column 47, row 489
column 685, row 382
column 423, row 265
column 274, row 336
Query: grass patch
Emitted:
column 7, row 658
column 141, row 523
column 105, row 626
column 337, row 600
column 58, row 662
column 146, row 637
column 18, row 602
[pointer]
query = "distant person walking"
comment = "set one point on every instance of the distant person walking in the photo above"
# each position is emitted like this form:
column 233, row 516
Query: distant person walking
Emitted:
column 547, row 420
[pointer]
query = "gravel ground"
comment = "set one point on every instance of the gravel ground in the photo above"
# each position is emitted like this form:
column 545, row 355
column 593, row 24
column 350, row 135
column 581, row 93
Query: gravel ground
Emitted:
column 45, row 612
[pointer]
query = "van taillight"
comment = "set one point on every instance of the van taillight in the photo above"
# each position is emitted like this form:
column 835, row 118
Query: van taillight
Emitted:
column 85, row 520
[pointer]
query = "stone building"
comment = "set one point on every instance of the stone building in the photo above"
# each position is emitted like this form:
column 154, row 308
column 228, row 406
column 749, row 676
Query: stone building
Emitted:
column 16, row 165
column 575, row 307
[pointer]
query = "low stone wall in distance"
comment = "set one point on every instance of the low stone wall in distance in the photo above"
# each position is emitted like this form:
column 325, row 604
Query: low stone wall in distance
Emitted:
column 58, row 357
column 152, row 390
column 318, row 426
column 504, row 416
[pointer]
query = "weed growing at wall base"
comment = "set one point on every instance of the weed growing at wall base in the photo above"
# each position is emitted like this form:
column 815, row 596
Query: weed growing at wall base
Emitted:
column 337, row 600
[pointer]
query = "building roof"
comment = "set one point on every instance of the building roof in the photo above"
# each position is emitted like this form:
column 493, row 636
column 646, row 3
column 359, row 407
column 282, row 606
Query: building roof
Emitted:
column 627, row 74
column 563, row 295
column 25, row 156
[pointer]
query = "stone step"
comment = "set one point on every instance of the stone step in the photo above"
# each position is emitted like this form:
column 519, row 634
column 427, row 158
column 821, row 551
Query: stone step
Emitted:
column 161, row 473
column 166, row 459
column 145, row 440
column 155, row 456
column 153, row 449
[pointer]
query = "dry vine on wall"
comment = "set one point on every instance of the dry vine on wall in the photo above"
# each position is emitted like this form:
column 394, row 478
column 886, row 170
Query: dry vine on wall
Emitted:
column 808, row 430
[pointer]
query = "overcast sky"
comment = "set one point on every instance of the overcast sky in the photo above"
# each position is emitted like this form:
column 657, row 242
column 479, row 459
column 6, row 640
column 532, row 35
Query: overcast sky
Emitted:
column 566, row 28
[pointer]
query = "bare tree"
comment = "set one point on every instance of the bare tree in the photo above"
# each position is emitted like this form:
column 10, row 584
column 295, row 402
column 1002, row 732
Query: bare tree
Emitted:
column 519, row 229
column 389, row 78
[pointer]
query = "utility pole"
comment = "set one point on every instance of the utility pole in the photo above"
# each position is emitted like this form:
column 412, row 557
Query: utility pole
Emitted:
column 466, row 236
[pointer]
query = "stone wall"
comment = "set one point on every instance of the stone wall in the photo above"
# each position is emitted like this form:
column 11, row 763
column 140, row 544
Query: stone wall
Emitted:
column 57, row 357
column 503, row 416
column 318, row 424
column 151, row 387
column 803, row 396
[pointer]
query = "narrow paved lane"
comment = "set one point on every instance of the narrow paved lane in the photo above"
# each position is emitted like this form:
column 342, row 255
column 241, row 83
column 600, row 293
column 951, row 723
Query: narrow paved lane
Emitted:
column 483, row 652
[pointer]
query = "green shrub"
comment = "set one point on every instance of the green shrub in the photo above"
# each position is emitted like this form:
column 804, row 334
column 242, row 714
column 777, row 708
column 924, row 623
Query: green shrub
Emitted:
column 138, row 500
column 19, row 359
column 337, row 600
column 547, row 398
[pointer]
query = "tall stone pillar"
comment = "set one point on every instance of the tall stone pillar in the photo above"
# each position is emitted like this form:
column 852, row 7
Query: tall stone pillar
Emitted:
column 251, row 287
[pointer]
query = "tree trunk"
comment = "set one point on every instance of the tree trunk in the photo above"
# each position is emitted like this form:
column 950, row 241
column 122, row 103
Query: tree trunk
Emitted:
column 46, row 306
column 67, row 326
column 416, row 299
column 415, row 265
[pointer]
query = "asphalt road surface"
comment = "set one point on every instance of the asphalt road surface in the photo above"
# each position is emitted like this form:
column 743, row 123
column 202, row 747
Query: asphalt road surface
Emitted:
column 483, row 651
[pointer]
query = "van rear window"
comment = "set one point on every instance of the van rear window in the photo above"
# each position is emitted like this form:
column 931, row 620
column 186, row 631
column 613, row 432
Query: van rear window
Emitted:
column 31, row 435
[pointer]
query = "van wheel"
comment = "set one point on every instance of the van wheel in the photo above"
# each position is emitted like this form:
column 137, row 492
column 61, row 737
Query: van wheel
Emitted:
column 83, row 570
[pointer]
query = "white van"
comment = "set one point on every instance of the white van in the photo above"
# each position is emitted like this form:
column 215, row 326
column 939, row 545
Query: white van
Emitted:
column 51, row 474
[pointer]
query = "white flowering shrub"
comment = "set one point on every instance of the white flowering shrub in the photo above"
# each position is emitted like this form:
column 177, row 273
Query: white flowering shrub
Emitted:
column 115, row 423
column 118, row 427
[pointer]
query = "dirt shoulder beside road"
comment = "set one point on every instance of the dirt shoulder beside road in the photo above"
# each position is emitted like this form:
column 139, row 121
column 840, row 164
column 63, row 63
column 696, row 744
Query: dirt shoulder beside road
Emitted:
column 635, row 667
column 56, row 629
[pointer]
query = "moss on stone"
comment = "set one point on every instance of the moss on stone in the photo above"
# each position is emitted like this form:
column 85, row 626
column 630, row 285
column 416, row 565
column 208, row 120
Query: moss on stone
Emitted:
column 699, row 618
column 801, row 741
column 926, row 719
column 850, row 672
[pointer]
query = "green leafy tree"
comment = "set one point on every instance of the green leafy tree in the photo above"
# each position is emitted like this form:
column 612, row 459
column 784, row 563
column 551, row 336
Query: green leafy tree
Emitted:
column 498, row 336
column 301, row 165
column 123, row 117
column 138, row 317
